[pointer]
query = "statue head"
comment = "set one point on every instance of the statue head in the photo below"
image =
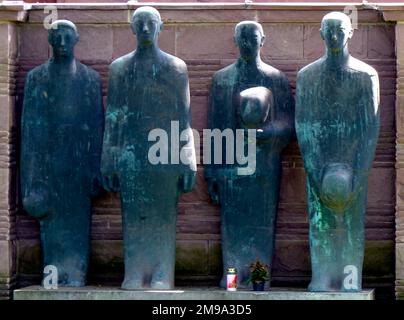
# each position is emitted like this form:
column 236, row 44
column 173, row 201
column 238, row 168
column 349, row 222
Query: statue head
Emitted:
column 146, row 25
column 63, row 36
column 249, row 38
column 255, row 105
column 336, row 30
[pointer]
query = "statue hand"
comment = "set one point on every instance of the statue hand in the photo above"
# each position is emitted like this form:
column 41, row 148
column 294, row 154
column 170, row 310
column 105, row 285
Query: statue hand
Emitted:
column 213, row 190
column 36, row 204
column 188, row 181
column 111, row 183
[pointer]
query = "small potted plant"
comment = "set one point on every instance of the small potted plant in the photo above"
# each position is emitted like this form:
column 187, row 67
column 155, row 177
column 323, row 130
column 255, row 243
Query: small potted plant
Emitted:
column 259, row 274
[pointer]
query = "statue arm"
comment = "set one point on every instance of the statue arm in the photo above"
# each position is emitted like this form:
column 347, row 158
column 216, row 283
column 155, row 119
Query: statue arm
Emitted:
column 111, row 146
column 370, row 132
column 209, row 168
column 280, row 130
column 304, row 132
column 32, row 163
column 187, row 146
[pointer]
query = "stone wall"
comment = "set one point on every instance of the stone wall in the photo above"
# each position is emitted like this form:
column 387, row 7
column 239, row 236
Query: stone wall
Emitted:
column 204, row 39
column 8, row 163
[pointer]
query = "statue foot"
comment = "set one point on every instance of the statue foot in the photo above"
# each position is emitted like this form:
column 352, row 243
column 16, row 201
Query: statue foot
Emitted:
column 161, row 285
column 132, row 284
column 321, row 286
column 75, row 283
column 162, row 281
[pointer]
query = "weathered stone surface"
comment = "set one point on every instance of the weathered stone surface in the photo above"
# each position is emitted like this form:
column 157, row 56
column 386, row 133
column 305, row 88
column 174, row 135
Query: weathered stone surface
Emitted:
column 5, row 259
column 359, row 43
column 4, row 188
column 29, row 257
column 215, row 257
column 106, row 258
column 33, row 42
column 123, row 41
column 95, row 43
column 191, row 258
column 199, row 114
column 201, row 191
column 8, row 38
column 293, row 186
column 313, row 45
column 381, row 41
column 399, row 33
column 379, row 259
column 7, row 112
column 283, row 42
column 94, row 16
column 380, row 179
column 112, row 293
column 400, row 261
column 191, row 42
column 387, row 117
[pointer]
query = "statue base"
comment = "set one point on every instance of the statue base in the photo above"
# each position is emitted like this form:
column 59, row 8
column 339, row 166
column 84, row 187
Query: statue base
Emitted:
column 190, row 293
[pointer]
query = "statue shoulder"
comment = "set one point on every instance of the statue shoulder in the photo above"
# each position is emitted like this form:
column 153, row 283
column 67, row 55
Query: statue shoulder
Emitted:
column 272, row 72
column 174, row 64
column 89, row 72
column 311, row 70
column 121, row 64
column 359, row 66
column 275, row 76
column 39, row 73
column 223, row 76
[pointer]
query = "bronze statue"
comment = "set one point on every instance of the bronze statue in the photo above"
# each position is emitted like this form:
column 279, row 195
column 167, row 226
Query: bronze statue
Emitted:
column 148, row 90
column 249, row 94
column 337, row 125
column 61, row 140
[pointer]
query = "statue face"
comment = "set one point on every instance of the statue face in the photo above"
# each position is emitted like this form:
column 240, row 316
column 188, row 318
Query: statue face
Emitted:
column 336, row 33
column 249, row 41
column 146, row 26
column 63, row 39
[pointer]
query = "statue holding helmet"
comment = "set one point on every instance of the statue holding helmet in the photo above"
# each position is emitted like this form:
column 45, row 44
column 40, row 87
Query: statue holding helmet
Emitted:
column 337, row 125
column 61, row 141
column 249, row 94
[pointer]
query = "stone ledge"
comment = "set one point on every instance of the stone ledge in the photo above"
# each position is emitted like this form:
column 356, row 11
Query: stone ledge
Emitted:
column 114, row 293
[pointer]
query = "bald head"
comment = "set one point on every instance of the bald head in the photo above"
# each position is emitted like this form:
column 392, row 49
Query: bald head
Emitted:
column 247, row 24
column 338, row 16
column 63, row 36
column 63, row 23
column 336, row 30
column 146, row 10
column 146, row 25
column 249, row 38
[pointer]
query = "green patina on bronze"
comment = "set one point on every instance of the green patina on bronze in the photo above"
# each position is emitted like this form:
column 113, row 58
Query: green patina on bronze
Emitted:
column 249, row 94
column 148, row 89
column 337, row 125
column 62, row 124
